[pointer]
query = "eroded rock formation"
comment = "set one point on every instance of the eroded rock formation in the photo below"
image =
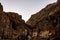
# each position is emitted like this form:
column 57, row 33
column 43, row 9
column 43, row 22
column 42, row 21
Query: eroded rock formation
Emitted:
column 44, row 25
column 11, row 25
column 46, row 22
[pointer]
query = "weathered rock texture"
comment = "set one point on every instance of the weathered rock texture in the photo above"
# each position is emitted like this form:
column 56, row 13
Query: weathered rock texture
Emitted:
column 46, row 23
column 11, row 25
column 58, row 1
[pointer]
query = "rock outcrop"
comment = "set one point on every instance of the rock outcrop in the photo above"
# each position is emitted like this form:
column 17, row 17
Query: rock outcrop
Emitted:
column 44, row 25
column 1, row 8
column 11, row 25
column 46, row 22
column 58, row 1
column 41, row 14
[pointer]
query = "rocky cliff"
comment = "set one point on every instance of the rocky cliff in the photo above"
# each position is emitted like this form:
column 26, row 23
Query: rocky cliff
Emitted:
column 46, row 22
column 44, row 25
column 11, row 25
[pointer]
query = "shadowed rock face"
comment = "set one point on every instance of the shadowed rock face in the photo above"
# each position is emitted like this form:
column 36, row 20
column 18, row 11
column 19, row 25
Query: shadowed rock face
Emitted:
column 11, row 25
column 1, row 8
column 47, row 22
column 44, row 25
column 58, row 1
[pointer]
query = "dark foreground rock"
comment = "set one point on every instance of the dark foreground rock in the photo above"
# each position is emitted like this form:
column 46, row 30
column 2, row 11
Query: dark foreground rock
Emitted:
column 11, row 25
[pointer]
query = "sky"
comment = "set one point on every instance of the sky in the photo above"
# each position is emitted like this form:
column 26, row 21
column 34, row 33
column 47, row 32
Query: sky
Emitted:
column 26, row 8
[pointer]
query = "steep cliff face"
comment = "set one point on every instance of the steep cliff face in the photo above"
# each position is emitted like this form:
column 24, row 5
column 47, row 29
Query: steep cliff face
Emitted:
column 41, row 14
column 44, row 25
column 47, row 22
column 11, row 25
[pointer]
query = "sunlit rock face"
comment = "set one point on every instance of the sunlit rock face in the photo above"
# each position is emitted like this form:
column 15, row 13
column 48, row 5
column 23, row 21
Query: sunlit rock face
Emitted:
column 45, row 34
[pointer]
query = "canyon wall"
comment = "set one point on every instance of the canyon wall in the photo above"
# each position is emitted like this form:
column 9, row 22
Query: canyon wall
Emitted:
column 44, row 25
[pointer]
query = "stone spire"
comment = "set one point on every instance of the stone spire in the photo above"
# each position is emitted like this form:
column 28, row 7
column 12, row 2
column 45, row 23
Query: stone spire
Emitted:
column 1, row 8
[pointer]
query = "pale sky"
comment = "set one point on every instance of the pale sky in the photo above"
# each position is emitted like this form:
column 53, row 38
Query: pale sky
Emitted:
column 25, row 7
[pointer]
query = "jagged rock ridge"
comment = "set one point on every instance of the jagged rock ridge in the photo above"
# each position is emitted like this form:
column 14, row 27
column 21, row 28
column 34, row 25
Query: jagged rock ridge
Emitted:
column 46, row 22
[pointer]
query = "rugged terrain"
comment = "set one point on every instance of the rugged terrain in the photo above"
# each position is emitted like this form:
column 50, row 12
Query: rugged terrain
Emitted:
column 11, row 25
column 44, row 25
